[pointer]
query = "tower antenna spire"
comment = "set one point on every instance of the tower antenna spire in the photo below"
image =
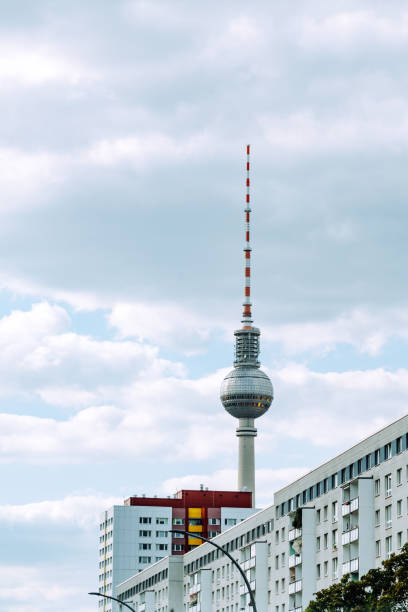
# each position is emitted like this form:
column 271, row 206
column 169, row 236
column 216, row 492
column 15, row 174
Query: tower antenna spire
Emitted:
column 246, row 392
column 247, row 314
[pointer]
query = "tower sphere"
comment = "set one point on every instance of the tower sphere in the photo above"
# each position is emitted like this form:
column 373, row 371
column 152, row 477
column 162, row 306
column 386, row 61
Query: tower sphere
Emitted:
column 246, row 392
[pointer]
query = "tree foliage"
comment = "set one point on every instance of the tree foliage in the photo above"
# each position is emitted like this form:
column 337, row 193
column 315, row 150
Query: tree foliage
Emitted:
column 383, row 589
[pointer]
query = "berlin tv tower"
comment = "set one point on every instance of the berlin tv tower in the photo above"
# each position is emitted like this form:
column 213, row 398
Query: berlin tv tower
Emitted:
column 247, row 392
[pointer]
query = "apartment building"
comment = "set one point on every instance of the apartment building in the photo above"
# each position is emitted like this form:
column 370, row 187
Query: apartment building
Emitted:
column 344, row 517
column 136, row 535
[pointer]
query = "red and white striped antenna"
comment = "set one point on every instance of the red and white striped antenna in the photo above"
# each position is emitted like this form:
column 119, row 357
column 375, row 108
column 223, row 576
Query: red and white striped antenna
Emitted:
column 247, row 315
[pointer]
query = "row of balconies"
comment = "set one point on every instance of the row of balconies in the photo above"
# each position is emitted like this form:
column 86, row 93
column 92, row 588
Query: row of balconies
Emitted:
column 349, row 536
column 295, row 560
column 349, row 567
column 295, row 587
column 246, row 565
column 243, row 588
column 349, row 506
column 294, row 533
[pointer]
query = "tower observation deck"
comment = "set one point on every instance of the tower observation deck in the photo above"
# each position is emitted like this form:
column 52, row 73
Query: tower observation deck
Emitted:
column 247, row 392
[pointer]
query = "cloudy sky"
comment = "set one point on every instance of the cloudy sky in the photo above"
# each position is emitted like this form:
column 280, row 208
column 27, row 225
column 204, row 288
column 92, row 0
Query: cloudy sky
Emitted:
column 122, row 135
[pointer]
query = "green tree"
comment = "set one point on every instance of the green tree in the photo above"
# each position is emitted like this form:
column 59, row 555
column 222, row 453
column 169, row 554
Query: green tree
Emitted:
column 382, row 589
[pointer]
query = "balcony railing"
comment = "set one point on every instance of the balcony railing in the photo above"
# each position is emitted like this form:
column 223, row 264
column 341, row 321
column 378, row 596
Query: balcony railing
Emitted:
column 294, row 533
column 243, row 589
column 295, row 560
column 350, row 566
column 295, row 587
column 349, row 506
column 349, row 536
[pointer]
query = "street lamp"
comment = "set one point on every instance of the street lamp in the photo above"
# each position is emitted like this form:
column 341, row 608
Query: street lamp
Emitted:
column 114, row 599
column 237, row 565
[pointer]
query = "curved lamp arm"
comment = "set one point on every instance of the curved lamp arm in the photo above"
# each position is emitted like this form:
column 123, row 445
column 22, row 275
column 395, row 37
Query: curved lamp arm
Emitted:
column 114, row 599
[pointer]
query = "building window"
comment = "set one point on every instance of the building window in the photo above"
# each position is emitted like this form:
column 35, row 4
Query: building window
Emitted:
column 387, row 481
column 180, row 535
column 399, row 507
column 145, row 546
column 178, row 521
column 325, row 538
column 368, row 462
column 161, row 534
column 334, row 538
column 318, row 543
column 161, row 546
column 277, row 587
column 388, row 546
column 378, row 548
column 318, row 571
column 335, row 568
column 399, row 477
column 178, row 547
column 334, row 512
column 146, row 520
column 387, row 451
column 143, row 533
column 230, row 522
column 161, row 521
column 325, row 513
column 326, row 568
column 283, row 534
column 398, row 445
column 145, row 559
column 214, row 521
column 335, row 480
column 277, row 536
column 343, row 475
column 399, row 539
column 277, row 562
column 388, row 516
column 283, row 559
column 377, row 487
column 377, row 456
column 283, row 585
column 318, row 516
column 377, row 518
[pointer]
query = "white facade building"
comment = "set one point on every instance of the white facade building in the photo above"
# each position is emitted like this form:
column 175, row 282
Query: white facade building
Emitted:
column 344, row 517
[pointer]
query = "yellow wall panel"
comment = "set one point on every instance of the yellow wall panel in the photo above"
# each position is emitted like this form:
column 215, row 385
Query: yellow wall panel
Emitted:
column 194, row 541
column 197, row 528
column 194, row 513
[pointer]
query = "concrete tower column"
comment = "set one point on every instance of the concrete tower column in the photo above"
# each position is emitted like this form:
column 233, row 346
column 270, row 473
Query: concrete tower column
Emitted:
column 246, row 432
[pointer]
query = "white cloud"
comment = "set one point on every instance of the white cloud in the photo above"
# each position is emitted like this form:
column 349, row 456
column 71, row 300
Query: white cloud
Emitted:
column 38, row 65
column 25, row 175
column 78, row 510
column 39, row 355
column 142, row 151
column 162, row 324
column 355, row 28
column 367, row 330
column 25, row 588
column 333, row 409
column 365, row 125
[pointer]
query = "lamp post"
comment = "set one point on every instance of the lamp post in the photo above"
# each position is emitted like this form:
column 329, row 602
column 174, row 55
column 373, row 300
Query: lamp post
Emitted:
column 114, row 599
column 237, row 565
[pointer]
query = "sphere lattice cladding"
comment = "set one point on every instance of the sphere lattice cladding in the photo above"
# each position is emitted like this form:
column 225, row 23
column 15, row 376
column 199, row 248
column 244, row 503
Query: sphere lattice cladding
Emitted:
column 246, row 392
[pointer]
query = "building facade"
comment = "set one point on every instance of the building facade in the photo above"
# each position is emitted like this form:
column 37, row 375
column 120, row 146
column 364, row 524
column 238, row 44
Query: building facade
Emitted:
column 344, row 517
column 136, row 535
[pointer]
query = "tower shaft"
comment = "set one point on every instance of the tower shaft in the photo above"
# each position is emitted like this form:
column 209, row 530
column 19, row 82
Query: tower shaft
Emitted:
column 246, row 433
